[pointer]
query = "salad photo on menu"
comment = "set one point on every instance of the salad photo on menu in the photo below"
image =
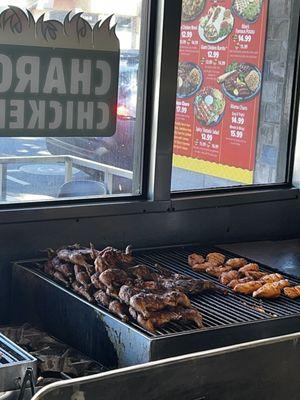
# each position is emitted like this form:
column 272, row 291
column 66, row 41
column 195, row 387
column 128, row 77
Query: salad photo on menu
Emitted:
column 189, row 79
column 216, row 25
column 241, row 81
column 249, row 10
column 191, row 9
column 209, row 106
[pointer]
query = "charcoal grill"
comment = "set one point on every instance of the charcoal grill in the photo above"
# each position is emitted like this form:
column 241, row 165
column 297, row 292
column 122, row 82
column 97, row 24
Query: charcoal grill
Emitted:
column 95, row 331
column 14, row 363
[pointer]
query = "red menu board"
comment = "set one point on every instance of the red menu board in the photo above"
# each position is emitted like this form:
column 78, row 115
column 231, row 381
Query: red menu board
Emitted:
column 221, row 60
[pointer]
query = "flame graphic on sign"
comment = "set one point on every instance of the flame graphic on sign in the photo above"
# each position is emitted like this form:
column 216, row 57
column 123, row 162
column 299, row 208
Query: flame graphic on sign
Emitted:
column 19, row 28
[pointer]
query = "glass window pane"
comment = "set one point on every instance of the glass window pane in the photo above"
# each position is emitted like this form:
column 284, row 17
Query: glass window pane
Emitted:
column 231, row 127
column 39, row 168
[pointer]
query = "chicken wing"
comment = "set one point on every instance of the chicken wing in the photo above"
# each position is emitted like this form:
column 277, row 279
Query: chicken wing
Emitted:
column 113, row 278
column 247, row 288
column 144, row 303
column 268, row 291
column 217, row 271
column 81, row 276
column 227, row 277
column 119, row 309
column 84, row 292
column 271, row 278
column 249, row 267
column 203, row 267
column 215, row 258
column 194, row 259
column 141, row 272
column 102, row 298
column 256, row 275
column 292, row 292
column 236, row 263
column 95, row 279
column 235, row 282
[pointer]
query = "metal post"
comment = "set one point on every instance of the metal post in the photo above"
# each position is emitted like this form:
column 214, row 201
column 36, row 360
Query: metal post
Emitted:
column 109, row 181
column 3, row 181
column 69, row 170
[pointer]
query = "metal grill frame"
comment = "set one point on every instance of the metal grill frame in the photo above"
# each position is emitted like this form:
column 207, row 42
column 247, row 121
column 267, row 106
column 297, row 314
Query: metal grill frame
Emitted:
column 13, row 371
column 101, row 335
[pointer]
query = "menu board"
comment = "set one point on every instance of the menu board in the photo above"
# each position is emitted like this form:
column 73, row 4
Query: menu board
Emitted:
column 221, row 59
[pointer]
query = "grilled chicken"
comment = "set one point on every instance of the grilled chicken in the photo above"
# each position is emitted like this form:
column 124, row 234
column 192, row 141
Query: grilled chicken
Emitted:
column 61, row 278
column 270, row 278
column 141, row 272
column 227, row 277
column 102, row 298
column 247, row 288
column 146, row 285
column 101, row 264
column 256, row 275
column 126, row 292
column 95, row 279
column 235, row 282
column 292, row 292
column 113, row 278
column 113, row 257
column 81, row 276
column 236, row 263
column 194, row 259
column 160, row 318
column 119, row 309
column 203, row 267
column 84, row 292
column 49, row 268
column 249, row 267
column 215, row 258
column 144, row 303
column 218, row 271
column 189, row 286
column 81, row 257
column 269, row 290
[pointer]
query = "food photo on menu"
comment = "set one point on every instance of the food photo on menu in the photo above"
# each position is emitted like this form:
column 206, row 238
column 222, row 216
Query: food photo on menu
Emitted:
column 221, row 61
column 241, row 81
column 216, row 25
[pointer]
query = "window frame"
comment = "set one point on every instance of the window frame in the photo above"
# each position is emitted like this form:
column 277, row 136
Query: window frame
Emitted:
column 159, row 117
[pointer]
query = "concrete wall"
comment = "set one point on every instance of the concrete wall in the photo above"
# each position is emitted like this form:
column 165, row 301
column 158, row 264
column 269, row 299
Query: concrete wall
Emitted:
column 272, row 135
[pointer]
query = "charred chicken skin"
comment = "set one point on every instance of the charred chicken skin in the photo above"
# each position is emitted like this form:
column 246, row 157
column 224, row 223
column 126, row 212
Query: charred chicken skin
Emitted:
column 247, row 288
column 113, row 278
column 292, row 292
column 236, row 263
column 216, row 259
column 194, row 259
column 271, row 278
column 144, row 303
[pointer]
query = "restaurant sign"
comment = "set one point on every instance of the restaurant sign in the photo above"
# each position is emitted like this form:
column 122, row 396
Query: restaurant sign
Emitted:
column 57, row 79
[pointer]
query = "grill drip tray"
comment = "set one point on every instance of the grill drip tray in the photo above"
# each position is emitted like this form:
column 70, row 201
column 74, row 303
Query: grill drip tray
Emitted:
column 96, row 332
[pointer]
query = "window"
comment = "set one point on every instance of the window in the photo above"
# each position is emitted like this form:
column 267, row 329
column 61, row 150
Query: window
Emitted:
column 234, row 90
column 38, row 168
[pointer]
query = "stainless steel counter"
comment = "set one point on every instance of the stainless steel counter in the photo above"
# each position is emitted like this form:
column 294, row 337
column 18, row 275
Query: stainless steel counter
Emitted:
column 282, row 255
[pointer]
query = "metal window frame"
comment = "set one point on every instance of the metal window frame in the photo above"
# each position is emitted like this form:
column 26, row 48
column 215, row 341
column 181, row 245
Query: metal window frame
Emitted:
column 159, row 113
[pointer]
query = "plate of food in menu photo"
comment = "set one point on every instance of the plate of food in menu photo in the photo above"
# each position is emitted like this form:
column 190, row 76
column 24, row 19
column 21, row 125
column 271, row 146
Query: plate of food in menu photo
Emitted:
column 241, row 81
column 191, row 9
column 216, row 25
column 209, row 106
column 248, row 10
column 189, row 79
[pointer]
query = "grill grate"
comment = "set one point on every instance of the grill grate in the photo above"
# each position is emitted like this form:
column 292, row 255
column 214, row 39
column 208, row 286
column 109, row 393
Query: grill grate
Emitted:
column 217, row 310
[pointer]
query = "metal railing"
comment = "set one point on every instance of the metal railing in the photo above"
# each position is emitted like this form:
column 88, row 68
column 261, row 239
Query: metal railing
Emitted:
column 69, row 162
